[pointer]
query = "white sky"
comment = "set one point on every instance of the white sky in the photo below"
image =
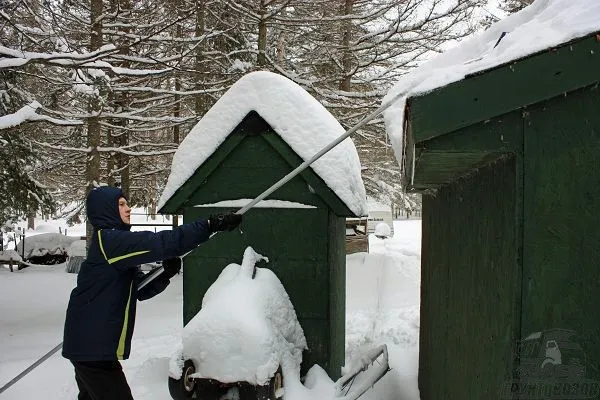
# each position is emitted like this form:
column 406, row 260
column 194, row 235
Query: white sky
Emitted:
column 543, row 24
column 301, row 121
column 382, row 308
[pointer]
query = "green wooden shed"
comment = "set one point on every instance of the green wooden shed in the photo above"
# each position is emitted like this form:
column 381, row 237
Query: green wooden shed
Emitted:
column 508, row 162
column 300, row 227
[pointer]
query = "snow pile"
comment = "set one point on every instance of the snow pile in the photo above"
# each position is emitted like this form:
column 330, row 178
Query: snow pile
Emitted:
column 543, row 24
column 301, row 121
column 77, row 249
column 9, row 255
column 246, row 329
column 383, row 230
column 46, row 243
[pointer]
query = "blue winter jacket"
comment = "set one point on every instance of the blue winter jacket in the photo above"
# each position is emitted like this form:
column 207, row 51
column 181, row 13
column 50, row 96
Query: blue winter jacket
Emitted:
column 101, row 312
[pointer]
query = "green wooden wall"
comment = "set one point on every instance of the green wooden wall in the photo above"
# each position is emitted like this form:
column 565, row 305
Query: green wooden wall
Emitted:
column 337, row 289
column 305, row 246
column 561, row 218
column 469, row 285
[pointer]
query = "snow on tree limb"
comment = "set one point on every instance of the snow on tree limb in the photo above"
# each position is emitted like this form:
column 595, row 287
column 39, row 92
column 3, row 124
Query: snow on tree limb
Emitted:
column 102, row 149
column 125, row 71
column 28, row 113
column 15, row 58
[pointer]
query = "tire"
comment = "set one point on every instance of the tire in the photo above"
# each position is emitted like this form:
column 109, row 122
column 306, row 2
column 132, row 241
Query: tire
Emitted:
column 269, row 391
column 207, row 389
column 183, row 388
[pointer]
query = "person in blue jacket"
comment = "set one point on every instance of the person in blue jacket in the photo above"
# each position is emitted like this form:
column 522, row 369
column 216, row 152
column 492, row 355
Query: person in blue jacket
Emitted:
column 101, row 311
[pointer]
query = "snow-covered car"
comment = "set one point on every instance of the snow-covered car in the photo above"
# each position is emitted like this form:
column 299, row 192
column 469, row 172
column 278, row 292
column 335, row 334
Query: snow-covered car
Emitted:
column 244, row 339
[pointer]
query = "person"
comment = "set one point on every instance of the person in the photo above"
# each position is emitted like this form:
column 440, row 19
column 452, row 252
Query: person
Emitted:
column 100, row 316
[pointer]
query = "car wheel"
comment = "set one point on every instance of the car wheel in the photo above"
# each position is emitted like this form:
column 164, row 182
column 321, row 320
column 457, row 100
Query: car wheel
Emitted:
column 183, row 388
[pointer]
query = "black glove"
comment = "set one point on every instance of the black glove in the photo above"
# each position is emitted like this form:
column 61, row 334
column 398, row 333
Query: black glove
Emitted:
column 171, row 267
column 224, row 222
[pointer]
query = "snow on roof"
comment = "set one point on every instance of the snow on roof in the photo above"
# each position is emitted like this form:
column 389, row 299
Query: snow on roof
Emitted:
column 247, row 327
column 543, row 24
column 301, row 121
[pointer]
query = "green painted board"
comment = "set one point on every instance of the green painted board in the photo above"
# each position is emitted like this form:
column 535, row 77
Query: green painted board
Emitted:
column 469, row 286
column 446, row 158
column 501, row 90
column 561, row 210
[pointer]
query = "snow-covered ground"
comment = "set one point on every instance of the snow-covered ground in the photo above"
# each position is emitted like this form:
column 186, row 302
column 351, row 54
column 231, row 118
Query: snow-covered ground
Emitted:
column 382, row 307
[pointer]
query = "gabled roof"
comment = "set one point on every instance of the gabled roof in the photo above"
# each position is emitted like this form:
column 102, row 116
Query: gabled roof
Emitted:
column 253, row 124
column 453, row 130
column 301, row 121
column 544, row 25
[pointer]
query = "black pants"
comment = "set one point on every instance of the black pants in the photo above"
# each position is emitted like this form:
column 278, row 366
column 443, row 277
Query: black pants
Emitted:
column 101, row 380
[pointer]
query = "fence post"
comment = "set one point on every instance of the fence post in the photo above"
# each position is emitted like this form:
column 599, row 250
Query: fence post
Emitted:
column 23, row 249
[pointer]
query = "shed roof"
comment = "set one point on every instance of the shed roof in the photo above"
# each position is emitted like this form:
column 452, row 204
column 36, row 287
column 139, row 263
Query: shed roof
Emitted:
column 544, row 24
column 300, row 120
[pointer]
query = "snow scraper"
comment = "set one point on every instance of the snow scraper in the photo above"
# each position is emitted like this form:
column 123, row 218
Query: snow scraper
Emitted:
column 345, row 385
column 154, row 273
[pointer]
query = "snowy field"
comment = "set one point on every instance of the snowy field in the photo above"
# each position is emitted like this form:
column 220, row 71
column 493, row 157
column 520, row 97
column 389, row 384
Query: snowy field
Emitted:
column 382, row 308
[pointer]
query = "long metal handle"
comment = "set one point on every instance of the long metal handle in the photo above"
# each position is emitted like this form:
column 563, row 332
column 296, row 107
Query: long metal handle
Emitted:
column 30, row 368
column 59, row 346
column 152, row 275
column 157, row 271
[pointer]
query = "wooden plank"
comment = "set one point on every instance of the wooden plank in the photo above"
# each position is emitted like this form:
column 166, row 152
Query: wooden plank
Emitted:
column 500, row 90
column 561, row 209
column 446, row 158
column 337, row 294
column 246, row 172
column 314, row 180
column 468, row 286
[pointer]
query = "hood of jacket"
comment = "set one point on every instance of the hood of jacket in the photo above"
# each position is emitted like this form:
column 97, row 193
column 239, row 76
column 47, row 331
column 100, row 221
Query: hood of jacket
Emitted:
column 103, row 208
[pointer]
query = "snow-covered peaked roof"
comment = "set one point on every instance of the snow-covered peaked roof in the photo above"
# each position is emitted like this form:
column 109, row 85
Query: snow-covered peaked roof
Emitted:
column 301, row 121
column 543, row 24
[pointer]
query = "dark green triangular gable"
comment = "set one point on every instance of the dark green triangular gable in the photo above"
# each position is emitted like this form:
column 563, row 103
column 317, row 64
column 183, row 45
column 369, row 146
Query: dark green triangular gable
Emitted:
column 251, row 159
column 463, row 125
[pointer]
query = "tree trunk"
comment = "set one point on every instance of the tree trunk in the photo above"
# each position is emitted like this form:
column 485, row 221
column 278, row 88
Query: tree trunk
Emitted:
column 200, row 103
column 346, row 54
column 31, row 221
column 92, row 170
column 121, row 103
column 262, row 35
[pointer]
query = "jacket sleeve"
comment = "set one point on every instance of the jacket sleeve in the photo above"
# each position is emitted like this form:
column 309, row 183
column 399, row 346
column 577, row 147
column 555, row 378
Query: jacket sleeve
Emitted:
column 158, row 285
column 124, row 249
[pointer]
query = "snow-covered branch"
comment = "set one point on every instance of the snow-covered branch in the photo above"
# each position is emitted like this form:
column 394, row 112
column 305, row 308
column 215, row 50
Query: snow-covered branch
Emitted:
column 101, row 149
column 28, row 113
column 10, row 58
